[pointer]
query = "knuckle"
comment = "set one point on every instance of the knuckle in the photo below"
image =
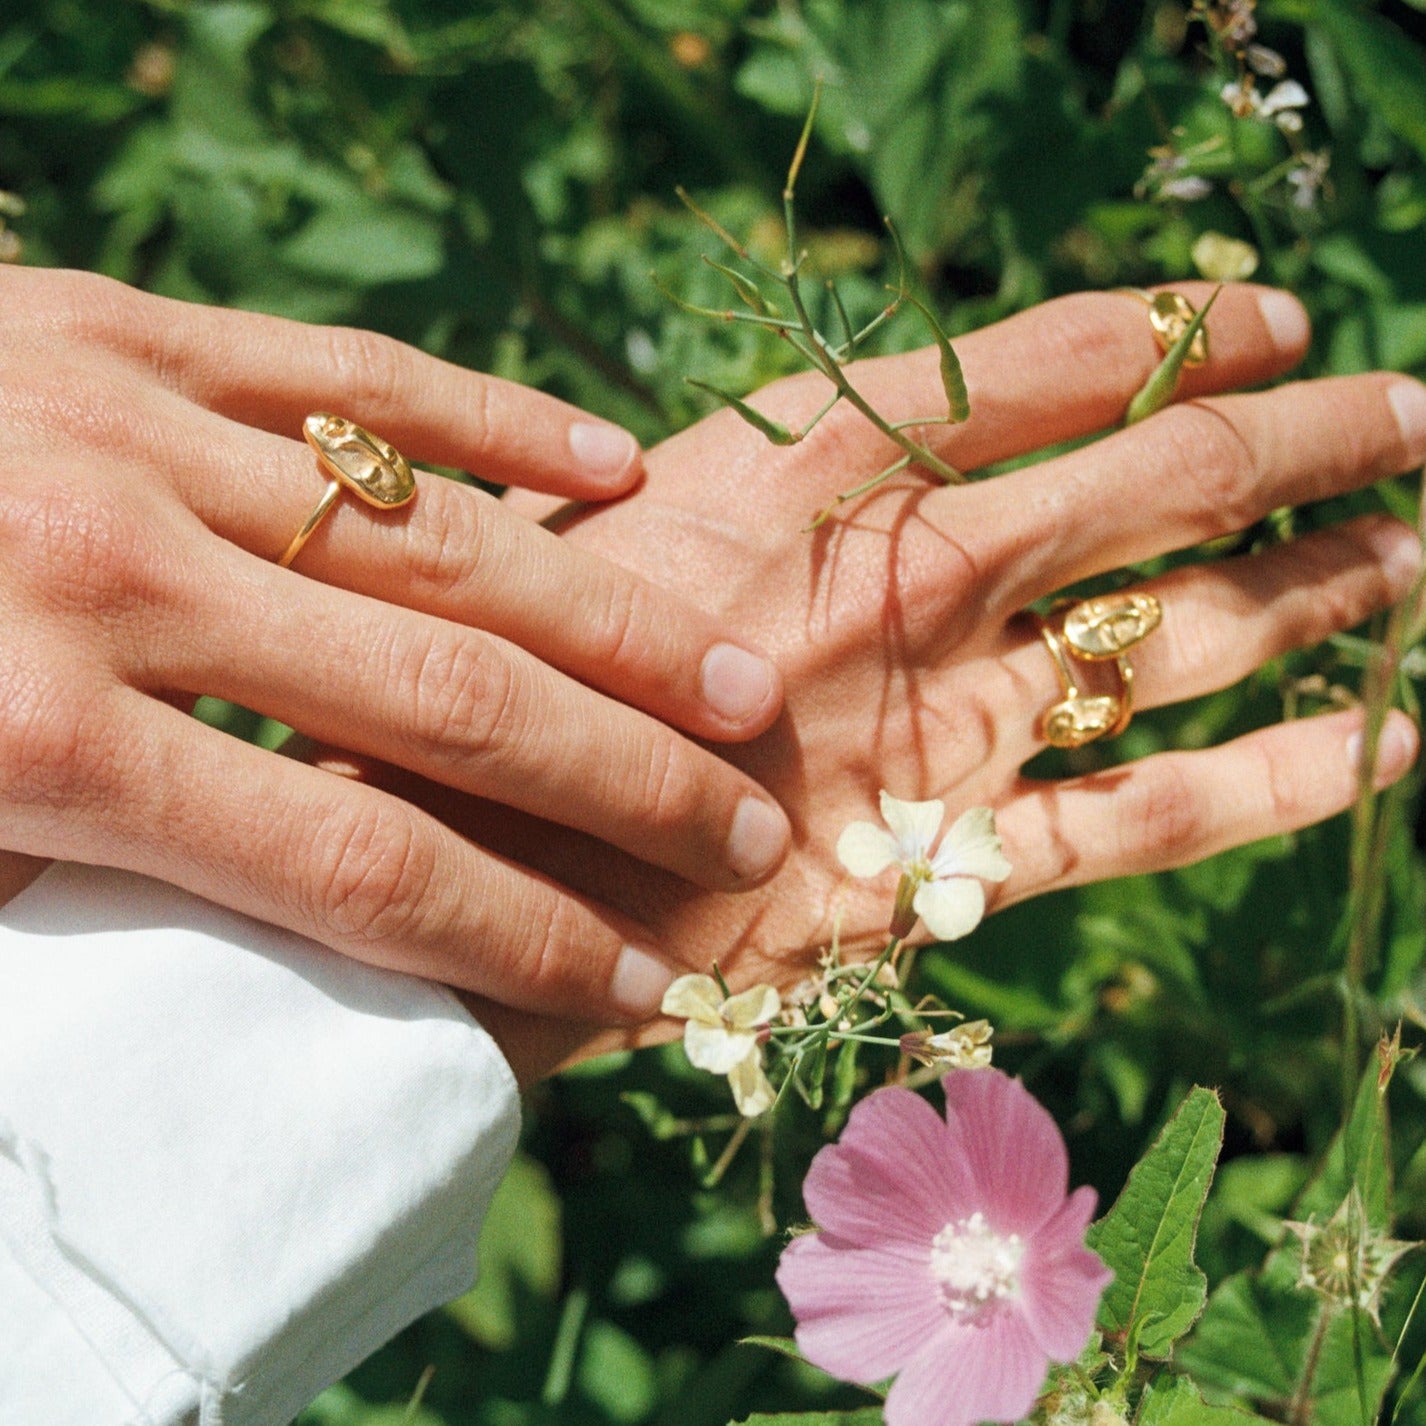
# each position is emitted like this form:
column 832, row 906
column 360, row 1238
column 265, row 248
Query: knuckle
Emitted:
column 1083, row 331
column 668, row 788
column 1283, row 792
column 373, row 370
column 1161, row 816
column 80, row 545
column 550, row 971
column 450, row 547
column 1204, row 447
column 54, row 745
column 464, row 690
column 620, row 617
column 371, row 886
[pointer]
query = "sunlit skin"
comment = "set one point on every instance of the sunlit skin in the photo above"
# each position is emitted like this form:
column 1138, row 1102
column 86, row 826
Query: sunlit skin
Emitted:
column 899, row 628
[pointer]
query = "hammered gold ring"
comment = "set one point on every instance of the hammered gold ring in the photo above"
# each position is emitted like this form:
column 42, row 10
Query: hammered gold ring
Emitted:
column 1169, row 316
column 353, row 460
column 1098, row 630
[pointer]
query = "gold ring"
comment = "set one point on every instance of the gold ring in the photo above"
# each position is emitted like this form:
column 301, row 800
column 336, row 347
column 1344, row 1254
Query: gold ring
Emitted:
column 1098, row 630
column 352, row 459
column 1078, row 718
column 1169, row 315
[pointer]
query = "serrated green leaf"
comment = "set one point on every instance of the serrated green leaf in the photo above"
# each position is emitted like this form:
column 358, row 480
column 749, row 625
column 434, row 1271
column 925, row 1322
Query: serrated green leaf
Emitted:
column 1147, row 1237
column 775, row 431
column 1175, row 1401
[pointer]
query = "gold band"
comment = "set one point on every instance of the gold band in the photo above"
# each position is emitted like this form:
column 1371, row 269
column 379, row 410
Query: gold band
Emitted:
column 354, row 460
column 1169, row 315
column 1098, row 630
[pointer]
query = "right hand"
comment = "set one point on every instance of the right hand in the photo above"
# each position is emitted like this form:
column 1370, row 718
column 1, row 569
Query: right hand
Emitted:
column 151, row 470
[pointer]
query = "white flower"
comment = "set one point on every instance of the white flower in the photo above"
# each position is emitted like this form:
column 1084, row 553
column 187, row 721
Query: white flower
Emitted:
column 724, row 1034
column 965, row 1047
column 1188, row 188
column 941, row 888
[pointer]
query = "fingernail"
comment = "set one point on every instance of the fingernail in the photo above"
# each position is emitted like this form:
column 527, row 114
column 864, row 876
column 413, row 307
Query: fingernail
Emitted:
column 1395, row 750
column 1408, row 405
column 603, row 451
column 736, row 684
column 758, row 838
column 1285, row 319
column 640, row 979
column 1399, row 552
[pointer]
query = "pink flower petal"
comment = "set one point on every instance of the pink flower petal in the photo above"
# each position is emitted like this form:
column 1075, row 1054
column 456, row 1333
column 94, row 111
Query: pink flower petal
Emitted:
column 894, row 1176
column 1061, row 1281
column 1011, row 1146
column 861, row 1312
column 987, row 1371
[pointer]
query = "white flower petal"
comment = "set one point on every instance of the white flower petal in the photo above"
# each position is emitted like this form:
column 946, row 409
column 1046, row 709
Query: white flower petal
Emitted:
column 757, row 1006
column 716, row 1049
column 1287, row 95
column 866, row 849
column 752, row 1091
column 914, row 824
column 971, row 848
column 694, row 997
column 950, row 909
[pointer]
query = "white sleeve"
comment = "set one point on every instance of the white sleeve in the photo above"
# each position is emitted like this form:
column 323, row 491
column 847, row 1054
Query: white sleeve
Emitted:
column 232, row 1163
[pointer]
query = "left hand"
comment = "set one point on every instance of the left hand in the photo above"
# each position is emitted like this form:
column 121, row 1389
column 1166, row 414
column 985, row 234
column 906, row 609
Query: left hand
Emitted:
column 908, row 661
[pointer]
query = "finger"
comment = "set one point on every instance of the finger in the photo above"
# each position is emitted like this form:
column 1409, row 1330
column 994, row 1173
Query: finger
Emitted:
column 456, row 552
column 1062, row 370
column 1221, row 622
column 1193, row 472
column 476, row 713
column 269, row 372
column 1177, row 808
column 350, row 866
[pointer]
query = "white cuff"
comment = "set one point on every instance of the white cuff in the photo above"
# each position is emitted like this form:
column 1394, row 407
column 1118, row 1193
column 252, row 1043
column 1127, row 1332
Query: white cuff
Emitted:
column 232, row 1163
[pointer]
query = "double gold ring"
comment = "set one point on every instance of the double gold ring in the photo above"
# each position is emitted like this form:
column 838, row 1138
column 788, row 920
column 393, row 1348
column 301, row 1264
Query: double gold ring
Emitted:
column 354, row 460
column 1094, row 631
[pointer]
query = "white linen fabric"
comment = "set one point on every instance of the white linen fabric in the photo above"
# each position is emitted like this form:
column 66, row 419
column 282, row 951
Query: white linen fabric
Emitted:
column 232, row 1163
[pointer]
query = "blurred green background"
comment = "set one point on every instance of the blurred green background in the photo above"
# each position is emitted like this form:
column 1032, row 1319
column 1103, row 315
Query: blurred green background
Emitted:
column 494, row 182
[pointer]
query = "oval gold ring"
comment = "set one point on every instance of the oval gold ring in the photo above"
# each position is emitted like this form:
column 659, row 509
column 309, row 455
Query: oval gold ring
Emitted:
column 1098, row 630
column 1169, row 316
column 353, row 460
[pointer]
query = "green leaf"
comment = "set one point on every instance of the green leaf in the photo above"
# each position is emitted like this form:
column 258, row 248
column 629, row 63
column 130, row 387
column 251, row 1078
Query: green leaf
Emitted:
column 775, row 431
column 1387, row 67
column 1147, row 1237
column 1175, row 1401
column 521, row 1248
column 1158, row 390
column 952, row 377
column 1358, row 1154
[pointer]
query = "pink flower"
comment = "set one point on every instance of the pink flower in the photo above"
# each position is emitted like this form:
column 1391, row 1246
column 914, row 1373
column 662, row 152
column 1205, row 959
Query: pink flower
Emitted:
column 948, row 1253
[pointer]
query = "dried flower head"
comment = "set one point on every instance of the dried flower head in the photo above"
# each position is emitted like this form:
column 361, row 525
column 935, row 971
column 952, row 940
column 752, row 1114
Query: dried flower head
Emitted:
column 1344, row 1261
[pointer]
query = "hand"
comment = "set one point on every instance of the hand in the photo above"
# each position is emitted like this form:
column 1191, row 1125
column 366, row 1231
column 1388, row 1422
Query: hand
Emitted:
column 152, row 470
column 908, row 662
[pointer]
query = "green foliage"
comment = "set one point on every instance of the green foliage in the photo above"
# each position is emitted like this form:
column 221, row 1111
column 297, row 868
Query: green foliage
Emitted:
column 1147, row 1238
column 495, row 181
